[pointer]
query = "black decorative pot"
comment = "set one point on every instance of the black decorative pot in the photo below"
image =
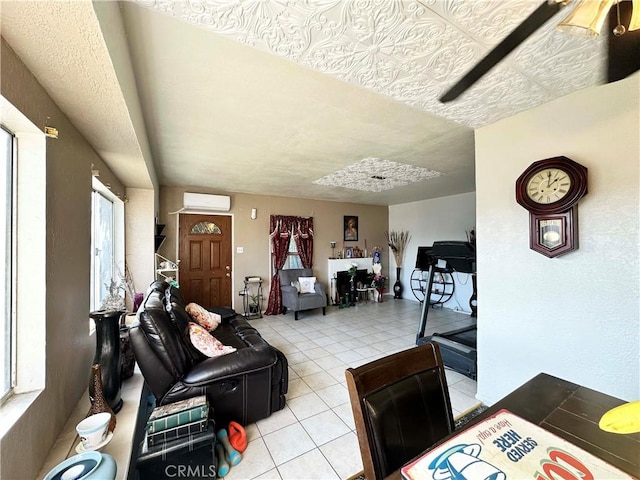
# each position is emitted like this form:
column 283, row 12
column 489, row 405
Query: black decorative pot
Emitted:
column 108, row 355
column 127, row 357
column 397, row 287
column 352, row 293
column 473, row 301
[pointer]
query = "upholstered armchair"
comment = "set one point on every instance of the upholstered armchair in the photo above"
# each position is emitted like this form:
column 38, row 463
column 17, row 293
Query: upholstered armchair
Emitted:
column 298, row 298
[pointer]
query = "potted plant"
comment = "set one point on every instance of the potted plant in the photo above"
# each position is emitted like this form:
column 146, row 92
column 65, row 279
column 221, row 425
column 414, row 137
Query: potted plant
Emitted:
column 254, row 306
column 379, row 282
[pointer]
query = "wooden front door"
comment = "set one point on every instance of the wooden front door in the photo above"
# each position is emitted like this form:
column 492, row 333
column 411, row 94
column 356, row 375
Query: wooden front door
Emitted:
column 205, row 259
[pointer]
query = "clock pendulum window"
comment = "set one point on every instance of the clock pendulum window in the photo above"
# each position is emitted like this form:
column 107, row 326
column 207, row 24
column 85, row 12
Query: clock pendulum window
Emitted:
column 550, row 190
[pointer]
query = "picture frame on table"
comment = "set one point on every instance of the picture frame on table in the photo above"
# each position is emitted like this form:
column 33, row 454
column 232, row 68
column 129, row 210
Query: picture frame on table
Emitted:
column 348, row 252
column 350, row 226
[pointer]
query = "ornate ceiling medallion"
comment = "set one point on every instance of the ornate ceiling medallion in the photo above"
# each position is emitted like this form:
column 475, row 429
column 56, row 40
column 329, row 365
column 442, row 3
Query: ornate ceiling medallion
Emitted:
column 376, row 175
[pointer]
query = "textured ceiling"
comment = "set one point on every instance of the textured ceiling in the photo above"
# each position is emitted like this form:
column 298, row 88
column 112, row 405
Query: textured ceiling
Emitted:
column 271, row 96
column 411, row 51
column 63, row 46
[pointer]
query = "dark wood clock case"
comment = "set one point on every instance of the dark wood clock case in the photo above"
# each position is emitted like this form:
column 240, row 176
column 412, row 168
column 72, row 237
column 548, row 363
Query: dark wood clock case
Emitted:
column 553, row 227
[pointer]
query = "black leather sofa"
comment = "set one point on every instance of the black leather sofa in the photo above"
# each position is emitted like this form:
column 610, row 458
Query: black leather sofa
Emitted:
column 245, row 386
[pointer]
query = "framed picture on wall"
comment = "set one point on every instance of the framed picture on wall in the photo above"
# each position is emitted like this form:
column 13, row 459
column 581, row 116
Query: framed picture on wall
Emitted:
column 350, row 228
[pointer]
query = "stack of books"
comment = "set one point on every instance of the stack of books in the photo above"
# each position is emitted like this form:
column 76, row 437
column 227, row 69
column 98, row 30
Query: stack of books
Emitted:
column 177, row 420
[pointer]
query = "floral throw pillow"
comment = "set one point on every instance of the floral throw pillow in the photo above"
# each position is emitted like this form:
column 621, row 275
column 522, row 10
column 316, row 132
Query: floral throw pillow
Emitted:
column 206, row 343
column 307, row 284
column 203, row 317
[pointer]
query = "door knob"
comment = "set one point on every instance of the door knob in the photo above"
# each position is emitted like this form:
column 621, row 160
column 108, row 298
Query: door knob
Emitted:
column 228, row 267
column 228, row 274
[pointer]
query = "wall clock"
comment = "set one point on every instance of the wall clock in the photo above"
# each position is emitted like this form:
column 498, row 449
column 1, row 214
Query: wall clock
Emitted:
column 550, row 190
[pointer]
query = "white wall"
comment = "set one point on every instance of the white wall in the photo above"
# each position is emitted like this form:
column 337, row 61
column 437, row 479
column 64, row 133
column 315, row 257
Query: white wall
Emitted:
column 576, row 316
column 446, row 218
column 140, row 244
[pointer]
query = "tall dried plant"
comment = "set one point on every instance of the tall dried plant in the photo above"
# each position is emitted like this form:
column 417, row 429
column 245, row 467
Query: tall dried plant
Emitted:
column 398, row 241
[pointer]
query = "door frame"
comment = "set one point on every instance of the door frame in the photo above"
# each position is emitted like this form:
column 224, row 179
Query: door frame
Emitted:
column 233, row 244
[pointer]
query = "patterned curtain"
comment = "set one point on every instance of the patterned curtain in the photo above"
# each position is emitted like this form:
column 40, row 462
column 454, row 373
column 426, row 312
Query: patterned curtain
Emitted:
column 304, row 241
column 280, row 235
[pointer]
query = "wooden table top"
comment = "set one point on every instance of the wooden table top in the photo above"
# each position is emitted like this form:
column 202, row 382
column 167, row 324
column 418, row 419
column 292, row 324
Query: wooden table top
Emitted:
column 571, row 412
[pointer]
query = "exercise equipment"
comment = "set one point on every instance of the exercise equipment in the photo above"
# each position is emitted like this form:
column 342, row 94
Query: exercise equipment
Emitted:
column 223, row 465
column 233, row 455
column 457, row 347
column 237, row 436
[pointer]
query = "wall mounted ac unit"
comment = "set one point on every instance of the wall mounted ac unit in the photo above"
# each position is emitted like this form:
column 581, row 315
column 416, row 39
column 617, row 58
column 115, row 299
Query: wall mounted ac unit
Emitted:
column 205, row 203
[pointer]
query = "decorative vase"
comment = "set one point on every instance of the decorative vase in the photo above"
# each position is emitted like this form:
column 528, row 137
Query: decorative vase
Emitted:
column 344, row 301
column 380, row 290
column 128, row 360
column 397, row 287
column 99, row 403
column 137, row 301
column 108, row 355
column 473, row 301
column 352, row 293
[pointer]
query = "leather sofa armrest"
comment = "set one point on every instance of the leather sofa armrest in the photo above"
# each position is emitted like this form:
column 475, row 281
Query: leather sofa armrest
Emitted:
column 240, row 362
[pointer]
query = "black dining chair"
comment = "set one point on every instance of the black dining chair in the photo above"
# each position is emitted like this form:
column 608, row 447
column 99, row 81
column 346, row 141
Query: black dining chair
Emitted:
column 401, row 407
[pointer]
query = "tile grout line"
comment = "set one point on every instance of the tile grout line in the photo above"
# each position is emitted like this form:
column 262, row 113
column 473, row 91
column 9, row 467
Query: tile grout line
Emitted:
column 367, row 327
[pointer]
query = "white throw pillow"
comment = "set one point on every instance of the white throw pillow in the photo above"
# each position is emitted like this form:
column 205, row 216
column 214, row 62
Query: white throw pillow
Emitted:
column 296, row 285
column 307, row 284
column 203, row 317
column 206, row 343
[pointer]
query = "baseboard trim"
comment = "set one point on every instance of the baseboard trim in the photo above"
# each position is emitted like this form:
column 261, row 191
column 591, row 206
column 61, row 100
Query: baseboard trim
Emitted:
column 468, row 411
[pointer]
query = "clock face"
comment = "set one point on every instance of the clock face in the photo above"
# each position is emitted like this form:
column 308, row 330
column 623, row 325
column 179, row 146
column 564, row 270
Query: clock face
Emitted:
column 553, row 185
column 548, row 186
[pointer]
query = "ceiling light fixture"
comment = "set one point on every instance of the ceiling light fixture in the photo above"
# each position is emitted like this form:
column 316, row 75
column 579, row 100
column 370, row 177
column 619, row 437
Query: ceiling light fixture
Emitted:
column 588, row 17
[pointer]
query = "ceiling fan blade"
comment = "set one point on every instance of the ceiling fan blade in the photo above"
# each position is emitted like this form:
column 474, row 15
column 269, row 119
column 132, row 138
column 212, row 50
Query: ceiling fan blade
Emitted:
column 623, row 56
column 532, row 23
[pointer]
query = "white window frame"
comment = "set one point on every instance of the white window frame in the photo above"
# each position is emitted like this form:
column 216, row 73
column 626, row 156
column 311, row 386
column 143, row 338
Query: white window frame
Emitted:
column 10, row 287
column 30, row 263
column 118, row 236
column 293, row 257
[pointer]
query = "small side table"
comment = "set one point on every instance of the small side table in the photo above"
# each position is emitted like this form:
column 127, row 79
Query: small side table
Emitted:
column 366, row 294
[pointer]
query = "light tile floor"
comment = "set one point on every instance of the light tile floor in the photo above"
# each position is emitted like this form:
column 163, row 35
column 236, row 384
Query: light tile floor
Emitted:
column 314, row 437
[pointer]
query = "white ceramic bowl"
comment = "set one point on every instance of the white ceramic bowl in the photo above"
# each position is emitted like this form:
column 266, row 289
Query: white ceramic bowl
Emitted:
column 85, row 466
column 93, row 430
